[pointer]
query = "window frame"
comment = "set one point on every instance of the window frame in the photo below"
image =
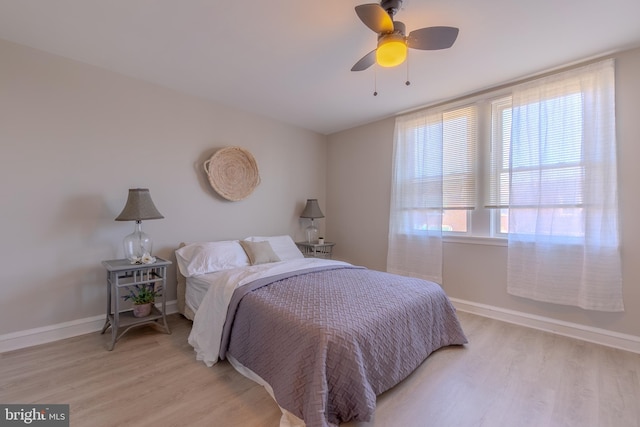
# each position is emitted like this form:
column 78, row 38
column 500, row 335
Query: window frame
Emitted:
column 483, row 222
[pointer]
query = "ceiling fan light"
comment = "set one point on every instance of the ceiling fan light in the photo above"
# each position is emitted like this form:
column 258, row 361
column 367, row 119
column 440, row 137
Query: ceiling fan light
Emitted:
column 392, row 51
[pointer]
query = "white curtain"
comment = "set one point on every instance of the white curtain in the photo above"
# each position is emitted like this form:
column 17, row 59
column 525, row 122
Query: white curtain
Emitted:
column 415, row 223
column 563, row 221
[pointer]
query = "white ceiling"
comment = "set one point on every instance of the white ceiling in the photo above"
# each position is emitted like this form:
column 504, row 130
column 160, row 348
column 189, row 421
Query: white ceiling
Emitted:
column 290, row 59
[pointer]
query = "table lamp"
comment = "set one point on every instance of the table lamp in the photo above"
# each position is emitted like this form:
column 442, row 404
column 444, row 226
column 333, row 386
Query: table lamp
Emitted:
column 312, row 211
column 139, row 207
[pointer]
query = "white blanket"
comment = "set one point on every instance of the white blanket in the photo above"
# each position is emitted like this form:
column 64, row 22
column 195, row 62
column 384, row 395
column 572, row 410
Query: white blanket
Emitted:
column 208, row 323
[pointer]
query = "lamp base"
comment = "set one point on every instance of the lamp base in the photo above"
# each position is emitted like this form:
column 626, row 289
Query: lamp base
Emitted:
column 312, row 234
column 137, row 244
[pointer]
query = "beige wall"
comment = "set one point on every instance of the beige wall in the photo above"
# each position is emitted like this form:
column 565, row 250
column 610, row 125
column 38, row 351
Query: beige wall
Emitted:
column 359, row 187
column 358, row 199
column 75, row 138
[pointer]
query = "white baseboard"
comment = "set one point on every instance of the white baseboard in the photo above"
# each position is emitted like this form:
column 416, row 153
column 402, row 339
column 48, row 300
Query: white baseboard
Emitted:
column 60, row 331
column 567, row 329
column 31, row 337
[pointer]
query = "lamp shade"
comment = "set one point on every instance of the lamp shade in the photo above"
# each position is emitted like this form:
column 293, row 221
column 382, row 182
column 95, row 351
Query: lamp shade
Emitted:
column 139, row 206
column 312, row 210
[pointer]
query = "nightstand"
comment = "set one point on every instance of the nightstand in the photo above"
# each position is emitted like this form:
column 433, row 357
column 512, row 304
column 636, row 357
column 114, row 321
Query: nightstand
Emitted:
column 121, row 275
column 316, row 250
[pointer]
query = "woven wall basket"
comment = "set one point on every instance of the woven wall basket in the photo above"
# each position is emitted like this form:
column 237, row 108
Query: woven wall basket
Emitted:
column 233, row 173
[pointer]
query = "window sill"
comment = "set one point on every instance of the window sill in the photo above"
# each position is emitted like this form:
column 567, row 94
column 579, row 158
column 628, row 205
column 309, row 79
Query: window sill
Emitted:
column 476, row 240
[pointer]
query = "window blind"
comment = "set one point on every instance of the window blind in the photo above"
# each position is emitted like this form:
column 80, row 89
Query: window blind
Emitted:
column 459, row 157
column 549, row 173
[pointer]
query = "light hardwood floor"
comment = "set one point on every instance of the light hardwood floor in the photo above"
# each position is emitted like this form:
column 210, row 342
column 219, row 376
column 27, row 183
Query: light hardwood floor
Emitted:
column 506, row 376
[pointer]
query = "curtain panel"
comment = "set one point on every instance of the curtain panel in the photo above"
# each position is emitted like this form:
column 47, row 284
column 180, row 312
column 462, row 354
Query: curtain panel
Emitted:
column 563, row 241
column 415, row 220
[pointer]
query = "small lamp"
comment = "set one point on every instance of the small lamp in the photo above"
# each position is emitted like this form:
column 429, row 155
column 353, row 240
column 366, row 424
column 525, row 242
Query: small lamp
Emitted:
column 312, row 210
column 139, row 207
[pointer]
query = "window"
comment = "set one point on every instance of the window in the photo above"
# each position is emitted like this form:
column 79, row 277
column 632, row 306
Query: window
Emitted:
column 459, row 167
column 548, row 173
column 477, row 171
column 440, row 171
column 545, row 171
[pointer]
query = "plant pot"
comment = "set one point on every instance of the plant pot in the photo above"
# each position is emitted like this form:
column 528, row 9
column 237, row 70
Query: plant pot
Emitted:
column 141, row 310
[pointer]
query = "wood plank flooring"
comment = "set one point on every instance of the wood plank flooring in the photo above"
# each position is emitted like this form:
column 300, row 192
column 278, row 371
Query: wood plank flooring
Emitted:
column 507, row 376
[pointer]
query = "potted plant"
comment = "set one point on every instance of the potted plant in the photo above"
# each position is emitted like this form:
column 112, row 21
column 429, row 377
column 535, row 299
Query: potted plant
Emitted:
column 143, row 297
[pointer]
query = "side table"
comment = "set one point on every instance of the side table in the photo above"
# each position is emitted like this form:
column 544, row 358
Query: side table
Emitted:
column 121, row 274
column 316, row 250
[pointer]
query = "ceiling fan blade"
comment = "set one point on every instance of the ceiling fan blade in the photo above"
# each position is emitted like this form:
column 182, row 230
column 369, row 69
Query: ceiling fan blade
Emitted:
column 365, row 62
column 432, row 38
column 375, row 17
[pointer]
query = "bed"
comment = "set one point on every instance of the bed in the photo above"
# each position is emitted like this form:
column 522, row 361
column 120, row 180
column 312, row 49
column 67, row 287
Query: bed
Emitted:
column 324, row 337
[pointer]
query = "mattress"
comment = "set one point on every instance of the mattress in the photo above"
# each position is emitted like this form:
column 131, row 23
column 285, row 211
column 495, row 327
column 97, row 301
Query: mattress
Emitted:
column 197, row 287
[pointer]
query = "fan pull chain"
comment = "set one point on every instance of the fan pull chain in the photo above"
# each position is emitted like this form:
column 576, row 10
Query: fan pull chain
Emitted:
column 375, row 80
column 407, row 82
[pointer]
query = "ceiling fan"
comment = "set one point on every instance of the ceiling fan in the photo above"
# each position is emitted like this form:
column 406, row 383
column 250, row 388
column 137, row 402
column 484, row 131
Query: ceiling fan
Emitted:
column 392, row 42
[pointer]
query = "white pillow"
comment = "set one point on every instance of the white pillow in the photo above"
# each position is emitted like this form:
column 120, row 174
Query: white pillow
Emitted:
column 283, row 246
column 206, row 257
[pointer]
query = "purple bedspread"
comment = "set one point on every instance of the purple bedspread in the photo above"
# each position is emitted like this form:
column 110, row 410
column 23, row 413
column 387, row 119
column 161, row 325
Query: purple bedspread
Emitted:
column 329, row 341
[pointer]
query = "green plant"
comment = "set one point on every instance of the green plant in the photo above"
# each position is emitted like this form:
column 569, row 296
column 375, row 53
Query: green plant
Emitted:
column 143, row 294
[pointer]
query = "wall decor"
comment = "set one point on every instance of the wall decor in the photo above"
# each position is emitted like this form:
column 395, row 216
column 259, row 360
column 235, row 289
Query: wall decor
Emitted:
column 233, row 173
